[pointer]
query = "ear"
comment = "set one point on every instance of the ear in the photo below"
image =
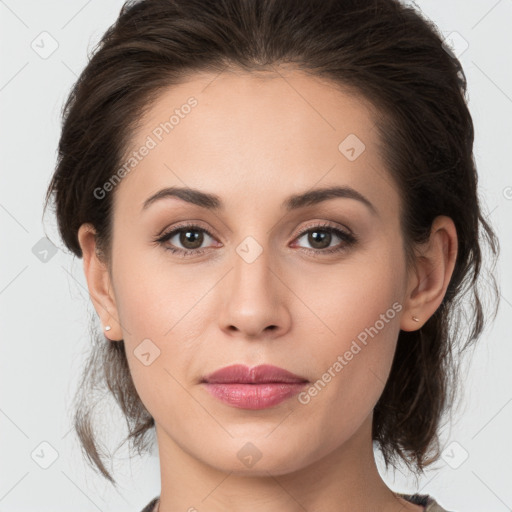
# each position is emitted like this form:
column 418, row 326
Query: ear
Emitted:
column 98, row 282
column 431, row 275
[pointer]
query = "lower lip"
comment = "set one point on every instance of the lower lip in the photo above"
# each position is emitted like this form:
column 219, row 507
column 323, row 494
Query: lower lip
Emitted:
column 254, row 396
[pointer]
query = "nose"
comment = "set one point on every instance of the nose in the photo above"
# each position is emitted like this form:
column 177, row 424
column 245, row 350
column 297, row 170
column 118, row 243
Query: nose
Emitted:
column 254, row 299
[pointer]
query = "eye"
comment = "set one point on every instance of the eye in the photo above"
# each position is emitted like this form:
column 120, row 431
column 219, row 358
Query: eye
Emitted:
column 321, row 236
column 190, row 236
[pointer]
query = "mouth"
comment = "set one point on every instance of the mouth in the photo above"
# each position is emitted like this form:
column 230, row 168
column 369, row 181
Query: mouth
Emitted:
column 262, row 374
column 260, row 387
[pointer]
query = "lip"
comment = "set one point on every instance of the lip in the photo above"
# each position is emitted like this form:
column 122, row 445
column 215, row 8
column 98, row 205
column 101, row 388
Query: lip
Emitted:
column 262, row 374
column 253, row 388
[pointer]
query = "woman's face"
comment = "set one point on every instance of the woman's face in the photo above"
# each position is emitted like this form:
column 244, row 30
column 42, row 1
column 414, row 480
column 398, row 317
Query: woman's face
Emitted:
column 264, row 281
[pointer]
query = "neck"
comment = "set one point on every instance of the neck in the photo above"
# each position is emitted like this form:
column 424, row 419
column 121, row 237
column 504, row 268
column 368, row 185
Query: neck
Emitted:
column 344, row 478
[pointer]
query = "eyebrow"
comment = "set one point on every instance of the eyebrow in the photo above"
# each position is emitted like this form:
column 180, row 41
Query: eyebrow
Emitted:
column 293, row 202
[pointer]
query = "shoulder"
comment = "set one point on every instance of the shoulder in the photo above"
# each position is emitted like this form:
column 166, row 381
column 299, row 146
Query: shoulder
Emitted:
column 151, row 505
column 427, row 501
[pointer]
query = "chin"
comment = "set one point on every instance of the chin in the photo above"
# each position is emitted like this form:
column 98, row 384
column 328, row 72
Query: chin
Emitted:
column 260, row 457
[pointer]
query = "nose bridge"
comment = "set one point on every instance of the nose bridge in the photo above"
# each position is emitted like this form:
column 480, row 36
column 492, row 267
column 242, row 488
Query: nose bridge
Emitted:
column 253, row 300
column 252, row 273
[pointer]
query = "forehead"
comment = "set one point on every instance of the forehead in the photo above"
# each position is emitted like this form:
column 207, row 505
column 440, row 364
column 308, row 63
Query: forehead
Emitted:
column 266, row 131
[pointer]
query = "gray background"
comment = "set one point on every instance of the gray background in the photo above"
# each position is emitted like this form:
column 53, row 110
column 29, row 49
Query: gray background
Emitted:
column 45, row 307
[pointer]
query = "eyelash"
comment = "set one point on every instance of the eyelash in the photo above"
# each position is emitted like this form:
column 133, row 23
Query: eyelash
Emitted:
column 348, row 238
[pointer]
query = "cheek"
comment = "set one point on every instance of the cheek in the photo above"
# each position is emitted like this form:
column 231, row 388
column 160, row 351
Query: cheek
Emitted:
column 357, row 310
column 162, row 314
column 152, row 294
column 345, row 300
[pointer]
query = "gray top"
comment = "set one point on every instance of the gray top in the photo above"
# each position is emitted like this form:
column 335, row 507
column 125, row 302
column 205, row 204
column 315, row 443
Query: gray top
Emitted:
column 418, row 499
column 427, row 501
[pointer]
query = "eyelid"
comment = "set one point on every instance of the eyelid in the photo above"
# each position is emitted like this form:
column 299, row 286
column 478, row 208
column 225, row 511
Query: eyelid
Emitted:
column 182, row 225
column 324, row 224
column 345, row 234
column 174, row 230
column 193, row 224
column 166, row 234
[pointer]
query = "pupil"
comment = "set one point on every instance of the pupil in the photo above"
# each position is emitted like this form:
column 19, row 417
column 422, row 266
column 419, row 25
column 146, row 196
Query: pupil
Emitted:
column 323, row 236
column 191, row 237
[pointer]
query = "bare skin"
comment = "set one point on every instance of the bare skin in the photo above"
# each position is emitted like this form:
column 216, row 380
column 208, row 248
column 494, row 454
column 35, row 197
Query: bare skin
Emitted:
column 254, row 141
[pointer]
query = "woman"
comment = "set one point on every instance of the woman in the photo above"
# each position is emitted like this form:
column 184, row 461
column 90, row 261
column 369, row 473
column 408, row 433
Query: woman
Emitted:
column 276, row 206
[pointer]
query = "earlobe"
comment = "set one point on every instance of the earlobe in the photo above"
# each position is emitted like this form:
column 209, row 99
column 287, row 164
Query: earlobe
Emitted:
column 432, row 273
column 98, row 282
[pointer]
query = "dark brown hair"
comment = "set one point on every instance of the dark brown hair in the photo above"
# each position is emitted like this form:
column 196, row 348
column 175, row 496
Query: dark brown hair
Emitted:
column 388, row 53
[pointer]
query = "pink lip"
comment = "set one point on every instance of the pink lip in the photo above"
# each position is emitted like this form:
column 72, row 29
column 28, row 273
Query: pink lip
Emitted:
column 253, row 388
column 241, row 374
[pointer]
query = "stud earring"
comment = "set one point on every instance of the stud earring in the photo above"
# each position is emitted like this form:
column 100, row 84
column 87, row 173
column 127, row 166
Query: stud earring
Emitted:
column 107, row 328
column 415, row 319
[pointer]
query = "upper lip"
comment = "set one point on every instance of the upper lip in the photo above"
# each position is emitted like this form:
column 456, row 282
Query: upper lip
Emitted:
column 242, row 374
